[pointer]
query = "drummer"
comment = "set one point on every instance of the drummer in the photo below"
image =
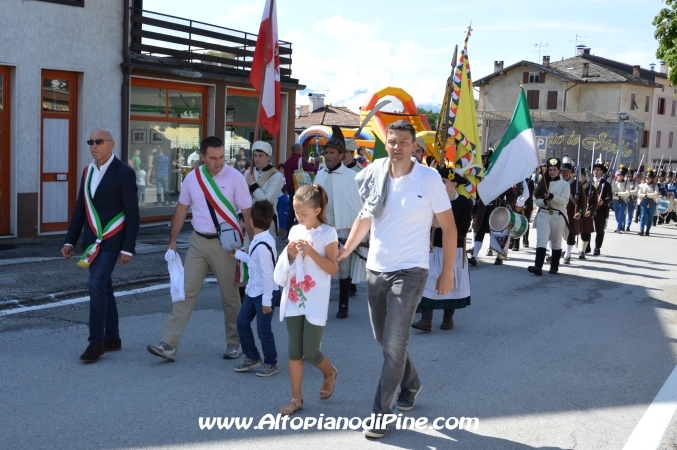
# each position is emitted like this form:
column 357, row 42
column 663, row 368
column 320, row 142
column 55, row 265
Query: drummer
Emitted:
column 648, row 194
column 459, row 297
column 551, row 196
column 576, row 206
column 662, row 184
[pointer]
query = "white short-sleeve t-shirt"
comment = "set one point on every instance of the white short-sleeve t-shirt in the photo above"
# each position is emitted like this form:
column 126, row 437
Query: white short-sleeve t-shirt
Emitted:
column 400, row 237
column 310, row 297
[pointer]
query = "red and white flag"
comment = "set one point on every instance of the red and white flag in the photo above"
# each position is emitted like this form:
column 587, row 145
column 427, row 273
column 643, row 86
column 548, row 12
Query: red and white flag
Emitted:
column 268, row 88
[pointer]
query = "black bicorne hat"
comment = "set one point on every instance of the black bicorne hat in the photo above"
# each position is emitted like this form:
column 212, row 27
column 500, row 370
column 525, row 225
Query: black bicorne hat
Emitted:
column 336, row 140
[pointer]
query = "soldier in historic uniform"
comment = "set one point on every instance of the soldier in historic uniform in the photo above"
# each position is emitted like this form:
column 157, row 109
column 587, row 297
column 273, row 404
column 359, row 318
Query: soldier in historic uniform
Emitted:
column 620, row 193
column 648, row 194
column 602, row 190
column 576, row 206
column 587, row 219
column 671, row 189
column 632, row 187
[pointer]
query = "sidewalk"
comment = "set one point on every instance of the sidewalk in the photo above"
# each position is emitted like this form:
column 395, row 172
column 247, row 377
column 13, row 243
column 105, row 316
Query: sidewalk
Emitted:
column 33, row 270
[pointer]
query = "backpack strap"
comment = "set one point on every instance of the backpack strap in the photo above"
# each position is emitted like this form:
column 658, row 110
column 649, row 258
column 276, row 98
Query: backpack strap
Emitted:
column 269, row 248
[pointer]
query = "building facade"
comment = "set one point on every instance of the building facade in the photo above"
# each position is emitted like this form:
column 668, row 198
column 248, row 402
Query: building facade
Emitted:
column 159, row 83
column 661, row 140
column 604, row 104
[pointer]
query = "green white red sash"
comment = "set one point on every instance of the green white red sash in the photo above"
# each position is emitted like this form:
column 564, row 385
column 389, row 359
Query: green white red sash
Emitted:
column 116, row 224
column 222, row 208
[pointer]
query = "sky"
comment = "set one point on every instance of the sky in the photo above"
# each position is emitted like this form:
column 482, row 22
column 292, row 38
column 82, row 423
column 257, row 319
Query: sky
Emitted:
column 349, row 49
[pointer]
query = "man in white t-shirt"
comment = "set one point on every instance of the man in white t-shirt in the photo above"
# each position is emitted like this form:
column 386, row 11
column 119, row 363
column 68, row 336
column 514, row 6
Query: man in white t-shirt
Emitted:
column 400, row 199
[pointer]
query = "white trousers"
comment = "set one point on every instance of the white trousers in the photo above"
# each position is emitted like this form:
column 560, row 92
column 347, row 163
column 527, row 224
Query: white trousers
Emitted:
column 550, row 227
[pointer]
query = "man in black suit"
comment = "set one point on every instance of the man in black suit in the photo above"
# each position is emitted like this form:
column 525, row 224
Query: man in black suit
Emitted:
column 110, row 198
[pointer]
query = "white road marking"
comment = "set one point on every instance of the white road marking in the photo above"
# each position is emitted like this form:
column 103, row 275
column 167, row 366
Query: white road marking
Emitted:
column 649, row 431
column 73, row 301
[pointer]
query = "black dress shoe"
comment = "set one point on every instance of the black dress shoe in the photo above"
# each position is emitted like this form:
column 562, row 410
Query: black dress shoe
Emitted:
column 647, row 233
column 110, row 344
column 92, row 353
column 498, row 262
column 641, row 233
column 596, row 253
column 472, row 261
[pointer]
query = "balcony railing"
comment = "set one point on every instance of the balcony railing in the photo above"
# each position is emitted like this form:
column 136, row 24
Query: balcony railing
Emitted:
column 190, row 41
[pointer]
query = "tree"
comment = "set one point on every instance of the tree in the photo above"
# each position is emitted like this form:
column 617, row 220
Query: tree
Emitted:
column 433, row 117
column 666, row 35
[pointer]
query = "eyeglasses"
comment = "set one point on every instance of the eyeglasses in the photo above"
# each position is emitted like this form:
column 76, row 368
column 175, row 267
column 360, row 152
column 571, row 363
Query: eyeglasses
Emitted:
column 97, row 141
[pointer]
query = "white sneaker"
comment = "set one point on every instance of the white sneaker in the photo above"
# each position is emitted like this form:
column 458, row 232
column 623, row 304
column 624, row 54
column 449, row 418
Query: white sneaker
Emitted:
column 163, row 350
column 233, row 351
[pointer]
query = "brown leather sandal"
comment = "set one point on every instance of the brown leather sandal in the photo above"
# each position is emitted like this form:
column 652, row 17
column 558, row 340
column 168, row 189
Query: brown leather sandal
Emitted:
column 324, row 393
column 290, row 408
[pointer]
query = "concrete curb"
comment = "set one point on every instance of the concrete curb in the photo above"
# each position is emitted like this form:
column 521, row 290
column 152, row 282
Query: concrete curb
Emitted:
column 77, row 292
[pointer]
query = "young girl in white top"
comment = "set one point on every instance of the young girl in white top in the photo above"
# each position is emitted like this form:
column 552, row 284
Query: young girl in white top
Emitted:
column 305, row 269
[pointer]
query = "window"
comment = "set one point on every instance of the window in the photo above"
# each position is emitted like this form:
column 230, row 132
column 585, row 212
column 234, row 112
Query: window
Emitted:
column 661, row 105
column 645, row 138
column 658, row 139
column 532, row 99
column 552, row 100
column 533, row 77
column 633, row 102
column 241, row 106
column 670, row 139
column 167, row 123
column 647, row 99
column 674, row 106
column 80, row 3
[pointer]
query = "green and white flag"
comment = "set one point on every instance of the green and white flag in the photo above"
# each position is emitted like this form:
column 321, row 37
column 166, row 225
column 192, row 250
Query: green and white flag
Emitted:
column 516, row 156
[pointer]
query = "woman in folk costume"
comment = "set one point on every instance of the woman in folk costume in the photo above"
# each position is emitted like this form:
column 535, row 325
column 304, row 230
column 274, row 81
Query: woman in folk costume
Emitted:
column 459, row 297
column 342, row 209
column 551, row 197
column 264, row 180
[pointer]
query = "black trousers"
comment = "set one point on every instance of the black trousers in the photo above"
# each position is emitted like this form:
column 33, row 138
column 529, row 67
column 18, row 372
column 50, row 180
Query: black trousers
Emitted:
column 600, row 221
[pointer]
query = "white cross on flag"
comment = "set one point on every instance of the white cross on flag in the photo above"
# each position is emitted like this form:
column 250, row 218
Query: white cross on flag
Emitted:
column 267, row 86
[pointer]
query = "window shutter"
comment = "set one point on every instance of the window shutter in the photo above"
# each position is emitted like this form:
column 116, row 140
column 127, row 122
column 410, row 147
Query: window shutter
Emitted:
column 633, row 103
column 552, row 100
column 645, row 138
column 541, row 77
column 658, row 139
column 525, row 77
column 646, row 103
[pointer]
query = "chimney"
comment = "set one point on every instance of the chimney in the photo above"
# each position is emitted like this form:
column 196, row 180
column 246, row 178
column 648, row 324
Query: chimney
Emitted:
column 663, row 68
column 298, row 111
column 635, row 71
column 498, row 66
column 546, row 61
column 586, row 69
column 653, row 67
column 315, row 102
column 580, row 49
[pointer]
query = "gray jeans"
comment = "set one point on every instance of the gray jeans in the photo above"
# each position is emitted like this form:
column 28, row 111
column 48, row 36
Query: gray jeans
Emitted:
column 393, row 297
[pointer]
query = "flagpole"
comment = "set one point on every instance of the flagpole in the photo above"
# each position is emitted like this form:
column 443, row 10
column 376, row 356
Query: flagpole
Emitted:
column 263, row 83
column 444, row 124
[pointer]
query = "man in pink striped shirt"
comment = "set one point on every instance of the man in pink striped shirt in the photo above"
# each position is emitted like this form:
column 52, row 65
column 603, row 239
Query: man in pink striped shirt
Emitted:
column 205, row 251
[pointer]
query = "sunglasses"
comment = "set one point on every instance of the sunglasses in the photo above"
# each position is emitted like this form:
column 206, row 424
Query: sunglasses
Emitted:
column 97, row 141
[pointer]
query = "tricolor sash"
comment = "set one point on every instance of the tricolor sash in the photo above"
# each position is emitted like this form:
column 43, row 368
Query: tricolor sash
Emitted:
column 116, row 224
column 223, row 209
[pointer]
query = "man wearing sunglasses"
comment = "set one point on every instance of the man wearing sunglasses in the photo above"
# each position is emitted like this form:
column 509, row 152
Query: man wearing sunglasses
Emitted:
column 108, row 210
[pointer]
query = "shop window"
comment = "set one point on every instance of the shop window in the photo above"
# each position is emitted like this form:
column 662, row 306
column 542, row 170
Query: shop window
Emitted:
column 241, row 107
column 166, row 127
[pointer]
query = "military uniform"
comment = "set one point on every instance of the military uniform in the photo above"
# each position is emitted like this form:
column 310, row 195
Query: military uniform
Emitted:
column 602, row 190
column 576, row 205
